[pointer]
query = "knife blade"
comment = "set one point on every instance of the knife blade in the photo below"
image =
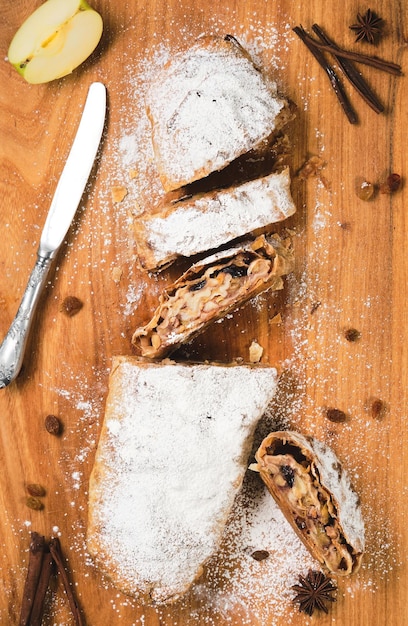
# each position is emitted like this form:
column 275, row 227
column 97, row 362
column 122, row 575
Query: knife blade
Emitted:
column 64, row 205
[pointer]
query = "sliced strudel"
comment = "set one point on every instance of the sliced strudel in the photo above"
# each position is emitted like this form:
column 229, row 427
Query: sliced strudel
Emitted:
column 212, row 288
column 206, row 221
column 207, row 106
column 167, row 469
column 310, row 485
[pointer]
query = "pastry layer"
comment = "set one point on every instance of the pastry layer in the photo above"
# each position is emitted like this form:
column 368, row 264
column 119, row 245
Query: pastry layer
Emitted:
column 210, row 289
column 308, row 482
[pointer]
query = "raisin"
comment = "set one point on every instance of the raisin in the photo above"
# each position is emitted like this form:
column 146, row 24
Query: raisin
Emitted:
column 336, row 415
column 352, row 334
column 391, row 184
column 300, row 523
column 71, row 305
column 53, row 425
column 35, row 490
column 197, row 286
column 34, row 503
column 288, row 474
column 235, row 271
column 260, row 555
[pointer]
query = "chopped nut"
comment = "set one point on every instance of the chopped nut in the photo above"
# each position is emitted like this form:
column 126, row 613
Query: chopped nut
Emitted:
column 117, row 274
column 260, row 555
column 71, row 305
column 53, row 425
column 34, row 503
column 119, row 193
column 311, row 167
column 336, row 415
column 35, row 490
column 255, row 352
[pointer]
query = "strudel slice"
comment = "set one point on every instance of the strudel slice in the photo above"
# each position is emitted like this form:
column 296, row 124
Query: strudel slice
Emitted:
column 207, row 106
column 310, row 485
column 172, row 455
column 192, row 225
column 212, row 288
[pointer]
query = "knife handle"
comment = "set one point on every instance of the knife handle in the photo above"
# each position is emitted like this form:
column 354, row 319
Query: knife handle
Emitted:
column 13, row 347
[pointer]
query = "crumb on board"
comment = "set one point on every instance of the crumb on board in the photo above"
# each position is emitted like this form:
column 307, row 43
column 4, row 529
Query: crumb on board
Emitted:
column 255, row 352
column 119, row 193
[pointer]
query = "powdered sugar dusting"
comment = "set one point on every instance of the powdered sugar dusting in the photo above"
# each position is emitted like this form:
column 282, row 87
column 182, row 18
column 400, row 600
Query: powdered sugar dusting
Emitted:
column 206, row 223
column 234, row 584
column 167, row 468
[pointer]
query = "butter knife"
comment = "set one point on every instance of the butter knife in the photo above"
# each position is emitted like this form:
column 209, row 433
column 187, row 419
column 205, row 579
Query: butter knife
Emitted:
column 63, row 207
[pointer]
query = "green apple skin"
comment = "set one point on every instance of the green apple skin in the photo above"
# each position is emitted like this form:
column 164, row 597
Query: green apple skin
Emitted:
column 55, row 39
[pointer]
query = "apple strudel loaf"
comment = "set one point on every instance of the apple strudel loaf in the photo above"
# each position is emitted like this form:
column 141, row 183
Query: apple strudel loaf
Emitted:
column 167, row 470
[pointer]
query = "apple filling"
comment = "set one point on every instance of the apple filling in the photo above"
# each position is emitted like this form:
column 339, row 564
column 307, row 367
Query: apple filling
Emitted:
column 295, row 483
column 207, row 292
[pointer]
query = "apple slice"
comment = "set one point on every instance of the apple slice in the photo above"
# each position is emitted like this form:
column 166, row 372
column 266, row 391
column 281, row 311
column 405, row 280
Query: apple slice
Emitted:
column 55, row 39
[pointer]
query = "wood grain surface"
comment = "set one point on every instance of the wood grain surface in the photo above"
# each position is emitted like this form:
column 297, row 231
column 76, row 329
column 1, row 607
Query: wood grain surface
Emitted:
column 351, row 272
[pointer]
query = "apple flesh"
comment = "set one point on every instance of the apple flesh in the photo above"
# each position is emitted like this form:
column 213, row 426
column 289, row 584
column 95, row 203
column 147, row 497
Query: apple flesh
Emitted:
column 55, row 39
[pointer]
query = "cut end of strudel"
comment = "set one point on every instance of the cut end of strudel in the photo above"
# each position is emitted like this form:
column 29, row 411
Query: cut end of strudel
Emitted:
column 212, row 288
column 192, row 225
column 172, row 455
column 314, row 492
column 208, row 106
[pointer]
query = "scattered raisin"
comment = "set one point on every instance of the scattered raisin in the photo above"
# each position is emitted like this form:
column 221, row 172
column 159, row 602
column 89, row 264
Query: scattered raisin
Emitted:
column 34, row 503
column 197, row 286
column 71, row 305
column 36, row 490
column 260, row 555
column 336, row 415
column 53, row 425
column 364, row 189
column 378, row 408
column 391, row 184
column 352, row 334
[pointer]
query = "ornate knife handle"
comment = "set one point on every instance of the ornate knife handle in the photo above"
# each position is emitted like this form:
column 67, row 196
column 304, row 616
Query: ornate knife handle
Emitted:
column 14, row 344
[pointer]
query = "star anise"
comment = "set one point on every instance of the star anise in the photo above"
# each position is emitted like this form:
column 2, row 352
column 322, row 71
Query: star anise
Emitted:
column 368, row 27
column 313, row 592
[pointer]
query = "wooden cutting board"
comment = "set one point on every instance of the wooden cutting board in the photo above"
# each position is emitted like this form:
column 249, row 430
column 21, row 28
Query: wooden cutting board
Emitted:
column 351, row 273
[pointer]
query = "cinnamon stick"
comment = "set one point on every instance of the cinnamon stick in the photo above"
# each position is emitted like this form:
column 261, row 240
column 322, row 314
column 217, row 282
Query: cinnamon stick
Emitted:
column 351, row 73
column 37, row 610
column 55, row 549
column 36, row 555
column 373, row 61
column 334, row 80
